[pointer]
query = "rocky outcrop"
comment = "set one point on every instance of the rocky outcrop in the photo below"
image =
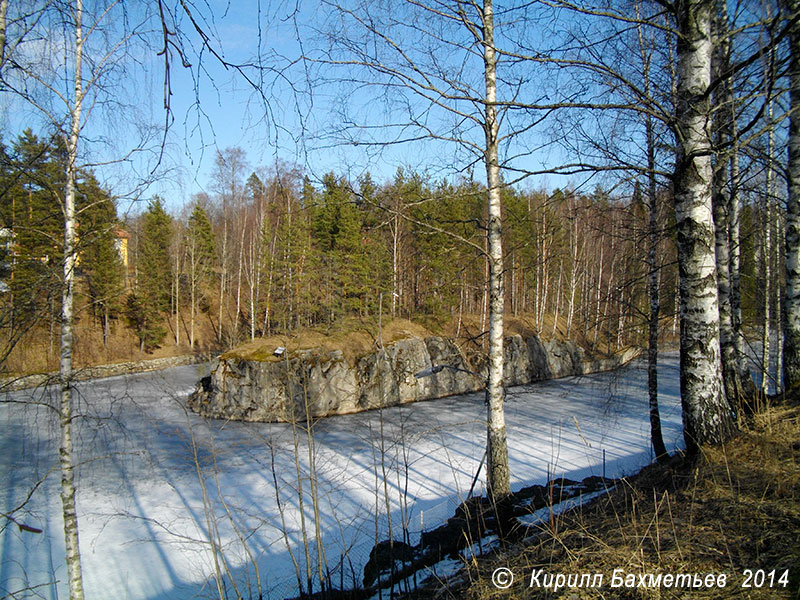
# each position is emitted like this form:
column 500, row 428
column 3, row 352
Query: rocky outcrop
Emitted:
column 317, row 383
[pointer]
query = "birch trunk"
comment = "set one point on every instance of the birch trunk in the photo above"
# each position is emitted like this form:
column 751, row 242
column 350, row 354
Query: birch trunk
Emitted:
column 734, row 216
column 779, row 308
column 395, row 259
column 267, row 328
column 656, row 435
column 723, row 120
column 538, row 276
column 177, row 284
column 223, row 268
column 610, row 286
column 544, row 275
column 573, row 284
column 497, row 451
column 766, row 269
column 706, row 415
column 558, row 298
column 69, row 512
column 239, row 282
column 597, row 300
column 252, row 289
column 3, row 11
column 106, row 325
column 192, row 301
column 791, row 323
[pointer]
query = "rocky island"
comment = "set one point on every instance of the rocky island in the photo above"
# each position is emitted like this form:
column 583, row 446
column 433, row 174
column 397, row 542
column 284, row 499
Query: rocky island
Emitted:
column 318, row 382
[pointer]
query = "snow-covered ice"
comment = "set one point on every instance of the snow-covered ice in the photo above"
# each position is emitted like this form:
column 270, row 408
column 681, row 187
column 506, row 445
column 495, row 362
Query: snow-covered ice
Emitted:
column 160, row 488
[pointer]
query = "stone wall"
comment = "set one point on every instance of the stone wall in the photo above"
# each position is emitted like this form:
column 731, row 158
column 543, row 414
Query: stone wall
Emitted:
column 10, row 384
column 317, row 383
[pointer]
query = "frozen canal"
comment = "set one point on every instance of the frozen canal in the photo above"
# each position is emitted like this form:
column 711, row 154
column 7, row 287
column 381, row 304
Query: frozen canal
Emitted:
column 167, row 499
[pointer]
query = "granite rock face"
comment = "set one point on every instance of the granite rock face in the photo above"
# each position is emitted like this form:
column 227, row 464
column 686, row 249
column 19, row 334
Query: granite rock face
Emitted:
column 318, row 383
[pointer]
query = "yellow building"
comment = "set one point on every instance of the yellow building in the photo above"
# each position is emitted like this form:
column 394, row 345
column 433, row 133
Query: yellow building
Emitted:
column 121, row 244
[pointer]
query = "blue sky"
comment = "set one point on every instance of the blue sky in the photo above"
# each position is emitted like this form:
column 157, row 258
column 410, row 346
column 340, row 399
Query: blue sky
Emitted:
column 294, row 126
column 300, row 120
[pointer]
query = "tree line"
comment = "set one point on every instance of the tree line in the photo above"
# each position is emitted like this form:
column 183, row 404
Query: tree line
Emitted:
column 272, row 253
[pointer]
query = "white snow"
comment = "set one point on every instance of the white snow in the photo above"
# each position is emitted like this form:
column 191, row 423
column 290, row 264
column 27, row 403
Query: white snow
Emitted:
column 148, row 526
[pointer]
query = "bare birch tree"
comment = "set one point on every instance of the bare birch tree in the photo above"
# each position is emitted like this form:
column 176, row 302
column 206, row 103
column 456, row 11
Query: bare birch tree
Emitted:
column 706, row 415
column 791, row 339
column 63, row 74
column 65, row 452
column 723, row 197
column 456, row 94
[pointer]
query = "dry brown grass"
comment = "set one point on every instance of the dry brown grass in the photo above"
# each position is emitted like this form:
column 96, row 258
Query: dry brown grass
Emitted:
column 733, row 508
column 357, row 337
column 38, row 351
column 354, row 338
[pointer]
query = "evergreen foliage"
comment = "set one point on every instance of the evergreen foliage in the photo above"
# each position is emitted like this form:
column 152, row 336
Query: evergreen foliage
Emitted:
column 332, row 252
column 200, row 242
column 100, row 260
column 151, row 298
column 31, row 217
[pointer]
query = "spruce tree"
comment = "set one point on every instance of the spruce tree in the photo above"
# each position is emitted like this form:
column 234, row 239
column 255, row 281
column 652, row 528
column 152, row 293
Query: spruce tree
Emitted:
column 151, row 298
column 100, row 261
column 340, row 249
column 34, row 215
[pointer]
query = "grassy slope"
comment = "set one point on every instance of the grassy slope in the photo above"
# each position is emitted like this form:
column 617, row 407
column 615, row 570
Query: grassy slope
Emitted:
column 353, row 338
column 38, row 352
column 733, row 508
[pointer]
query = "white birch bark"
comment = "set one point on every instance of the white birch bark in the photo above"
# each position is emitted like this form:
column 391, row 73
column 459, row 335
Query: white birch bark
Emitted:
column 766, row 257
column 723, row 122
column 223, row 267
column 177, row 285
column 610, row 285
column 573, row 246
column 395, row 257
column 239, row 282
column 270, row 273
column 3, row 12
column 558, row 297
column 193, row 293
column 706, row 415
column 597, row 299
column 779, row 303
column 734, row 216
column 791, row 323
column 252, row 279
column 69, row 512
column 497, row 450
column 544, row 263
column 258, row 262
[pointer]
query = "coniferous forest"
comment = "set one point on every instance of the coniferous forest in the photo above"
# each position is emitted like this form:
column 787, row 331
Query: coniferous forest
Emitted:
column 273, row 253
